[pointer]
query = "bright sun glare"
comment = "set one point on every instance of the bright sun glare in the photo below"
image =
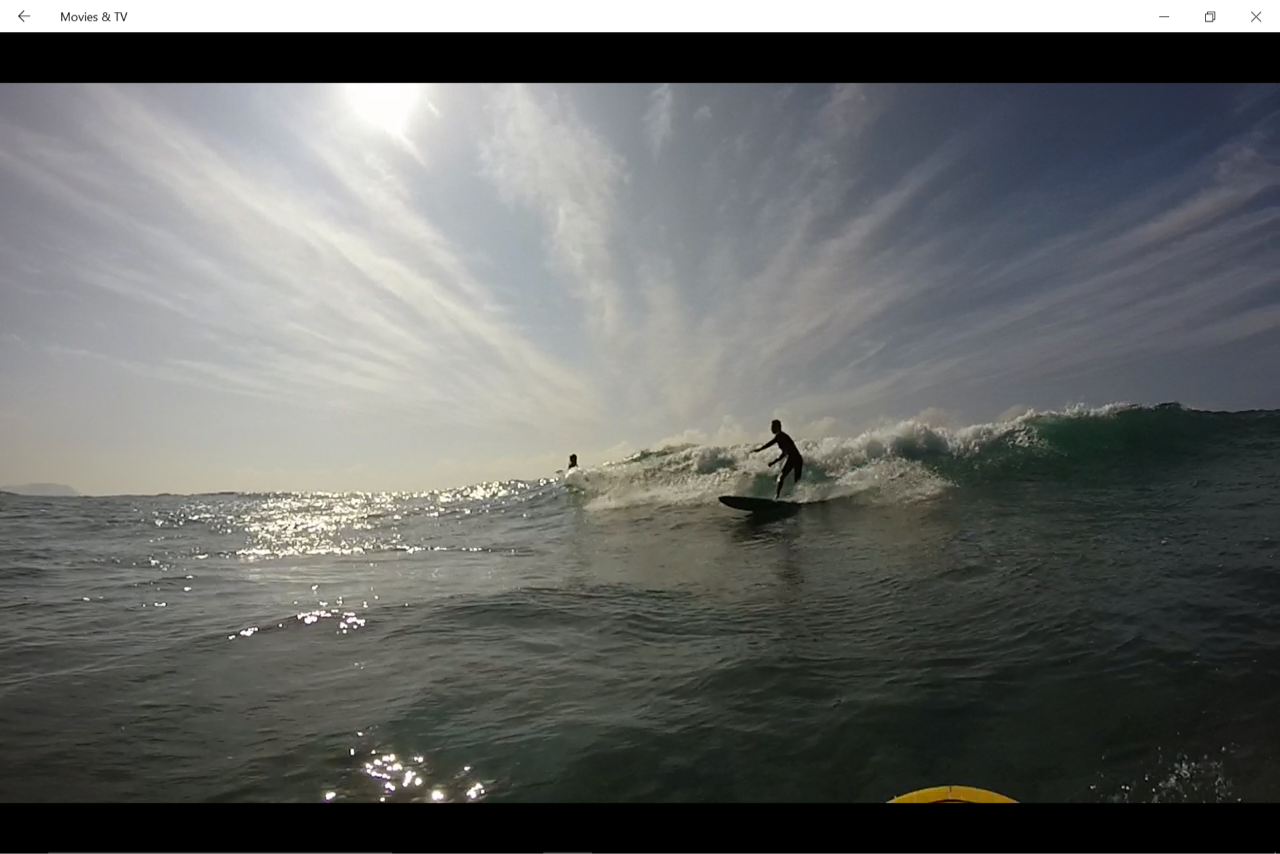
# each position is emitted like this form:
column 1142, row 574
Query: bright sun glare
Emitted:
column 386, row 105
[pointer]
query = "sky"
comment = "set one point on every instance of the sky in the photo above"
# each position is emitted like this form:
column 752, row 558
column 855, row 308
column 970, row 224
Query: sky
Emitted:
column 337, row 287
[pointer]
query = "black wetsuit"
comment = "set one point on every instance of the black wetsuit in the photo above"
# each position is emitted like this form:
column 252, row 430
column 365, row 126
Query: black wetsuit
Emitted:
column 795, row 462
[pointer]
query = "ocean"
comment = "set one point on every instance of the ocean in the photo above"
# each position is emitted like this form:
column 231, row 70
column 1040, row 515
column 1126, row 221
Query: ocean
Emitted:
column 1075, row 606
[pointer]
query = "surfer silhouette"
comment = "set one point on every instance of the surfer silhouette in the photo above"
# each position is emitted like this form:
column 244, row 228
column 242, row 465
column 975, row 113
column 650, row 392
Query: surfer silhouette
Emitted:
column 573, row 461
column 789, row 452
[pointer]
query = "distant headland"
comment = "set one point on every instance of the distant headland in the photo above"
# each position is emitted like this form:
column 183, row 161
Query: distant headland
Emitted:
column 42, row 489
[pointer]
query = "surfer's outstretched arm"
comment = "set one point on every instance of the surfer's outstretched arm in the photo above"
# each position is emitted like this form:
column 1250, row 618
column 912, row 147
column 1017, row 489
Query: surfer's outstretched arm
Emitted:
column 772, row 441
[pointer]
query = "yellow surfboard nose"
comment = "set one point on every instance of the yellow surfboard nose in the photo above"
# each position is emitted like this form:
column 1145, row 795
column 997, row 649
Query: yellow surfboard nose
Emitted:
column 952, row 795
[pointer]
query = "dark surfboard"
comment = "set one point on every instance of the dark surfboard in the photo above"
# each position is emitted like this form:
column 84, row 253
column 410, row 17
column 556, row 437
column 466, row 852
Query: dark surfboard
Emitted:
column 757, row 505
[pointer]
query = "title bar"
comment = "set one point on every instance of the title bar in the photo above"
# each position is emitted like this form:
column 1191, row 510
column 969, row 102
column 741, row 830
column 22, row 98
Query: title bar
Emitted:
column 929, row 16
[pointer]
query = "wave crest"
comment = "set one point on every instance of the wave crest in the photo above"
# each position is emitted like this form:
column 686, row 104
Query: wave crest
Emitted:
column 911, row 461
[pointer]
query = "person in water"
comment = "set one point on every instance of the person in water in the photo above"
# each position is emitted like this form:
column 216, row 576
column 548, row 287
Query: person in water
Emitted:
column 789, row 451
column 573, row 461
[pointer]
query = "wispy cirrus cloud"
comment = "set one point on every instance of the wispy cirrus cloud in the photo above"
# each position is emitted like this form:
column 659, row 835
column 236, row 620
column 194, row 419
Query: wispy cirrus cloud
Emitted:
column 537, row 273
column 657, row 121
column 291, row 299
column 543, row 156
column 875, row 286
column 1189, row 263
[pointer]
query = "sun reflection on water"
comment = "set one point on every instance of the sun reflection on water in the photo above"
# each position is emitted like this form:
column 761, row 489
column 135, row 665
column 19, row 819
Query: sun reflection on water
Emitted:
column 281, row 525
column 348, row 621
column 390, row 777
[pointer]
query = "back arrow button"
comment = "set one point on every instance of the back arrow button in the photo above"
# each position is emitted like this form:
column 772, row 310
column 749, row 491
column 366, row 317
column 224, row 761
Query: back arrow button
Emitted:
column 22, row 16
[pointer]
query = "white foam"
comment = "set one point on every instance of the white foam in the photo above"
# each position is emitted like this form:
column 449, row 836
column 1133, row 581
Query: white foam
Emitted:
column 879, row 466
